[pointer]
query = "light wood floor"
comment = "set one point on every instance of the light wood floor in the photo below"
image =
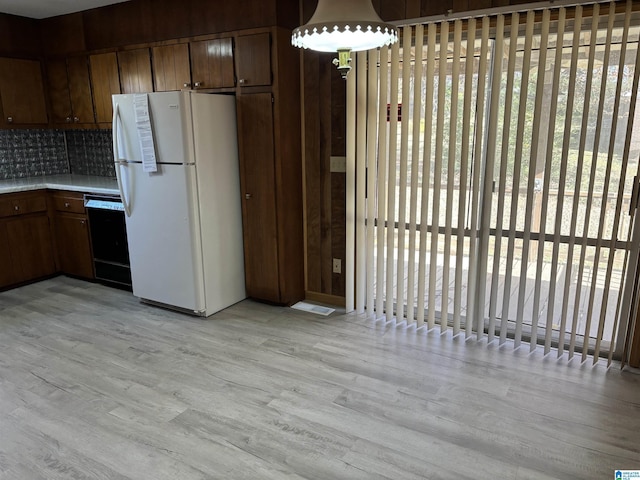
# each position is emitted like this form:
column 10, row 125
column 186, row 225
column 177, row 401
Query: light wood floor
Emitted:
column 95, row 385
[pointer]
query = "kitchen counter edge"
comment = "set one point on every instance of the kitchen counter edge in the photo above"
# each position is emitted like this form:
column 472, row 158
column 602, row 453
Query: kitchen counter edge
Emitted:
column 72, row 183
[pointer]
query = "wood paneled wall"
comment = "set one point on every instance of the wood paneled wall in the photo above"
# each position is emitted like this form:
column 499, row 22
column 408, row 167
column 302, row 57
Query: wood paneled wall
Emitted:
column 324, row 127
column 19, row 36
column 63, row 35
column 143, row 21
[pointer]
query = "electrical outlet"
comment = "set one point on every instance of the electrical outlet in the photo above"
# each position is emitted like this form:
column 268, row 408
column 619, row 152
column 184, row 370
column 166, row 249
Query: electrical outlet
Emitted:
column 337, row 265
column 338, row 164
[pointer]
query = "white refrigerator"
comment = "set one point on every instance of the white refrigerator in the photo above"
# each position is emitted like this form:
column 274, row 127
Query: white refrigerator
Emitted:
column 184, row 221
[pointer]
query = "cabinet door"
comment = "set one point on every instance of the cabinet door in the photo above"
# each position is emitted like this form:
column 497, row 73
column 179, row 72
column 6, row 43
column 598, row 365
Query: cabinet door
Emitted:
column 22, row 91
column 58, row 83
column 73, row 244
column 8, row 273
column 253, row 59
column 105, row 82
column 30, row 245
column 256, row 146
column 212, row 63
column 171, row 70
column 70, row 90
column 135, row 71
column 80, row 90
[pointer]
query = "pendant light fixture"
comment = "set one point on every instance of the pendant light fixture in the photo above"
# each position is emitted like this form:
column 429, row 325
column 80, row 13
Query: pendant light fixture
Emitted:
column 344, row 26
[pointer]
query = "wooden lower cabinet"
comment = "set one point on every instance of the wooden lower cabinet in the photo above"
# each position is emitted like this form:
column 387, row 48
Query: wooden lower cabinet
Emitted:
column 73, row 246
column 30, row 245
column 8, row 273
column 71, row 233
column 42, row 234
column 25, row 238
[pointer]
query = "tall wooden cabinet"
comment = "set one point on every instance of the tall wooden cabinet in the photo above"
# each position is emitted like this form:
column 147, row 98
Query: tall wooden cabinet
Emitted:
column 255, row 122
column 271, row 171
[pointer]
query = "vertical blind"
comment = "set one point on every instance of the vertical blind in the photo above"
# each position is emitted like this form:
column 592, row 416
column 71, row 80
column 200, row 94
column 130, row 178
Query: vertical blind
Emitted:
column 494, row 165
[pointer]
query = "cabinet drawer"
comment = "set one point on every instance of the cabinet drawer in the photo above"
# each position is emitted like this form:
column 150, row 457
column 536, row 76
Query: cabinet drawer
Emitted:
column 20, row 205
column 68, row 204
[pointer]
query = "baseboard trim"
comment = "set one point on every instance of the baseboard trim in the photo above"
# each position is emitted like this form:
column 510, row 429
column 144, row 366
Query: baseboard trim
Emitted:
column 325, row 298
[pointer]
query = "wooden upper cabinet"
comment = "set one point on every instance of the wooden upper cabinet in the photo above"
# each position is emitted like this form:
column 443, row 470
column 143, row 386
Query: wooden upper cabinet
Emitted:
column 70, row 90
column 105, row 82
column 22, row 91
column 171, row 70
column 212, row 63
column 80, row 89
column 253, row 59
column 58, row 83
column 135, row 71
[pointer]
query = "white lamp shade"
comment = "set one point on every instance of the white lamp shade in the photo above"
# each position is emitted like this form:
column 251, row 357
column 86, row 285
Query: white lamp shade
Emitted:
column 344, row 24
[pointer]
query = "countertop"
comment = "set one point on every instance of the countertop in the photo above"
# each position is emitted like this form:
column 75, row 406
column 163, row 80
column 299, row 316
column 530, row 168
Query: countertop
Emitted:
column 75, row 183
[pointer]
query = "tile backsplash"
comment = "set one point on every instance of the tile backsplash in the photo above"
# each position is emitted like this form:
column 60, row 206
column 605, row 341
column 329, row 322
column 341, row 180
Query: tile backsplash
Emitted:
column 32, row 153
column 90, row 152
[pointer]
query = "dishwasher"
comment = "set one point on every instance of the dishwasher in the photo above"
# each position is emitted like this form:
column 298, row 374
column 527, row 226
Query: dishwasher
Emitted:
column 109, row 239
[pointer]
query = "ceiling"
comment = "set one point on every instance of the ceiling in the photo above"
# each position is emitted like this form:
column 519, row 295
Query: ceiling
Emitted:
column 50, row 8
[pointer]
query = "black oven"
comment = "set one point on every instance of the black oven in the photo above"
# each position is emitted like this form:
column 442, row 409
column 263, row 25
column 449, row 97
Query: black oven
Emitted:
column 109, row 239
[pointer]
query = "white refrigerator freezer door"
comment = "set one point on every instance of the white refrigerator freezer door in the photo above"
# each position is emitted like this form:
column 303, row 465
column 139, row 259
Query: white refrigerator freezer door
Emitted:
column 164, row 242
column 170, row 122
column 216, row 147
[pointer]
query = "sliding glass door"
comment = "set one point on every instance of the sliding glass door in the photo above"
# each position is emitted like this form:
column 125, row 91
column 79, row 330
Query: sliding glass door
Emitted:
column 502, row 158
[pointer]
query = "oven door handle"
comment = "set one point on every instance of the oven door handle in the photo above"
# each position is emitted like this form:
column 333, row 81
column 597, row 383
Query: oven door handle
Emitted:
column 119, row 164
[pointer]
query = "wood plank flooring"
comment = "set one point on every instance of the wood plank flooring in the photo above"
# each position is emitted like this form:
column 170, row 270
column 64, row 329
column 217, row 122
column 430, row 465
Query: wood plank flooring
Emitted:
column 95, row 385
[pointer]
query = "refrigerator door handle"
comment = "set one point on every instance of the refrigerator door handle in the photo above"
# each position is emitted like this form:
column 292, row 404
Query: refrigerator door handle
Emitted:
column 119, row 164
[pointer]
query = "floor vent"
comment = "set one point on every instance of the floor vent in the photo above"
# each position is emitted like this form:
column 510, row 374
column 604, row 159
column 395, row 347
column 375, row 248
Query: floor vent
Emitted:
column 309, row 307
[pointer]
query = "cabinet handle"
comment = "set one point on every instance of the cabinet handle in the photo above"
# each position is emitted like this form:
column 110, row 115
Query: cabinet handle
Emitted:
column 197, row 84
column 68, row 119
column 16, row 208
column 82, row 222
column 9, row 119
column 67, row 204
column 186, row 85
column 76, row 119
column 242, row 81
column 247, row 196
